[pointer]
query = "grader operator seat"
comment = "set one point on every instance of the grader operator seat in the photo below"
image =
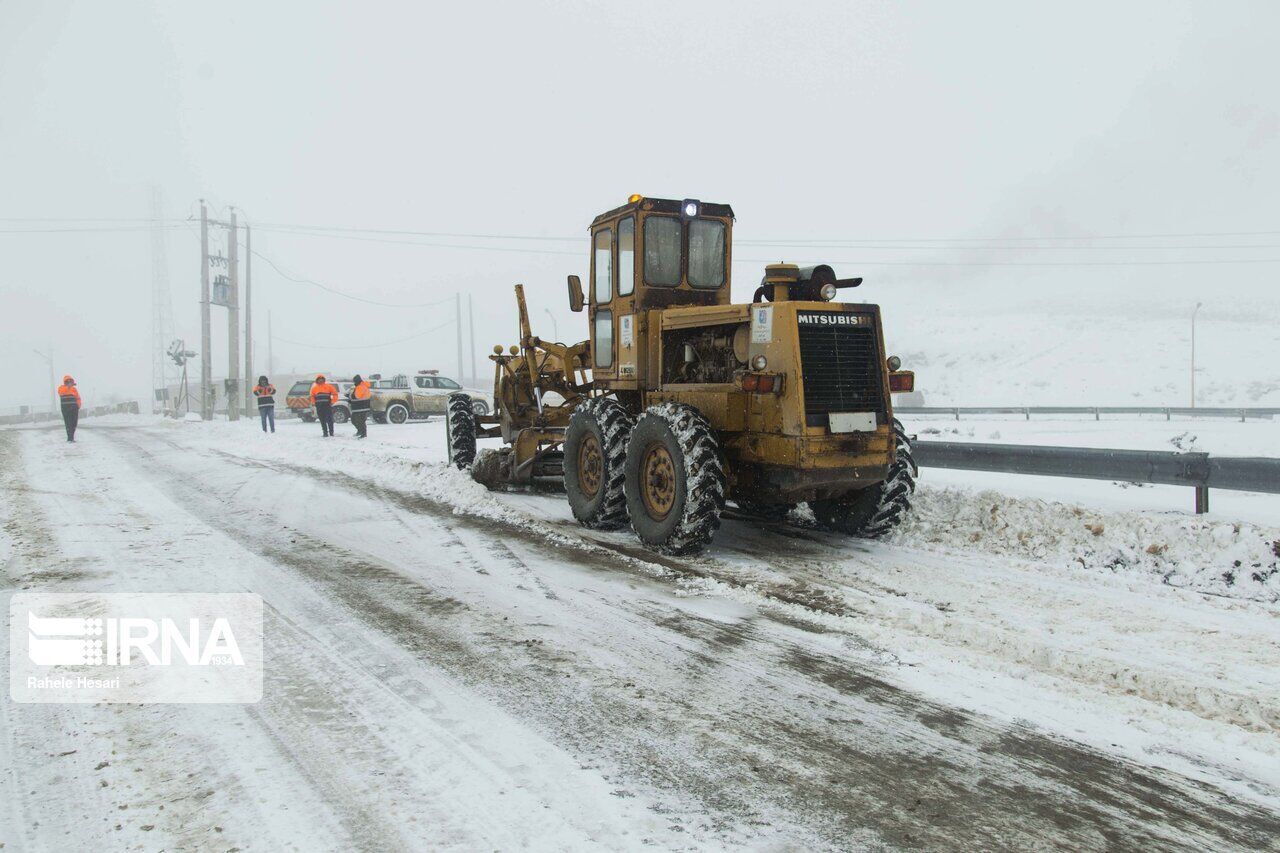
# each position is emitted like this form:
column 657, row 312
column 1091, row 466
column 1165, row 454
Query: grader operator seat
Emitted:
column 650, row 253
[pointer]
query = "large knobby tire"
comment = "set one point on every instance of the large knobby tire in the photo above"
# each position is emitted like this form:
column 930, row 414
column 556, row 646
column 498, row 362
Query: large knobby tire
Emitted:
column 595, row 453
column 675, row 480
column 397, row 413
column 874, row 511
column 460, row 431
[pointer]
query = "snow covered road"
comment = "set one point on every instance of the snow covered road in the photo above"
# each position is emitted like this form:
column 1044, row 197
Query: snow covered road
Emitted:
column 448, row 668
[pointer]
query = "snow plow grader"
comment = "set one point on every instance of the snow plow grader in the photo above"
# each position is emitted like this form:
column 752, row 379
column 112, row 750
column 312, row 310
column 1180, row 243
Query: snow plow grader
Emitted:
column 680, row 401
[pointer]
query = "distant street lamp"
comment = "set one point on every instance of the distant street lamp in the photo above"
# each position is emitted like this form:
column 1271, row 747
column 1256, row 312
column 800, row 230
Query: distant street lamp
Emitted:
column 1193, row 353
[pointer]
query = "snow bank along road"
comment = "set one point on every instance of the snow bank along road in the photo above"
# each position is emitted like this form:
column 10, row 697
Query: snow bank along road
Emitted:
column 448, row 668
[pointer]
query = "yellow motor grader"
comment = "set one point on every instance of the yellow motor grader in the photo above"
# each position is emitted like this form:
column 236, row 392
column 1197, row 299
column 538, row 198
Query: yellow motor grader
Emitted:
column 680, row 400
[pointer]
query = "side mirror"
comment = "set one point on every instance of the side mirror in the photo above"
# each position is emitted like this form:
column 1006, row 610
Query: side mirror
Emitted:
column 575, row 293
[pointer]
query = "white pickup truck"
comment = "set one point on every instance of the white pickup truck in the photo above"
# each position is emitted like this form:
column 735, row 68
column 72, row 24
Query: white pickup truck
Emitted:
column 402, row 397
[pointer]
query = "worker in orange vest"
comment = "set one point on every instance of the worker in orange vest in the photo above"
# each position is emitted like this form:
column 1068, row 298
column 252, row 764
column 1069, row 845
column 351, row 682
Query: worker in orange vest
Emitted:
column 323, row 396
column 69, row 399
column 358, row 397
column 266, row 394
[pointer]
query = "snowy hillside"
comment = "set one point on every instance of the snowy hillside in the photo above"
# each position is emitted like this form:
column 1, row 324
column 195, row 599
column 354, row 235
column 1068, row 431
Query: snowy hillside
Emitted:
column 1064, row 358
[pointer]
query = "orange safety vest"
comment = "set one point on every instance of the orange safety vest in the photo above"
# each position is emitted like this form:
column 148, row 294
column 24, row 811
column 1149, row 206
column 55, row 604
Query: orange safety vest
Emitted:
column 69, row 395
column 359, row 396
column 266, row 394
column 325, row 393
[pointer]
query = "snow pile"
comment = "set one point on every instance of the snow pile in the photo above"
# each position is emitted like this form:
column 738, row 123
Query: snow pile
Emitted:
column 1236, row 560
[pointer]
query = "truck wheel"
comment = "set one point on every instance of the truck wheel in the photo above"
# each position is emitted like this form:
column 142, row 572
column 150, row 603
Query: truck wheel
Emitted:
column 874, row 511
column 460, row 431
column 480, row 407
column 341, row 415
column 595, row 454
column 675, row 480
column 397, row 413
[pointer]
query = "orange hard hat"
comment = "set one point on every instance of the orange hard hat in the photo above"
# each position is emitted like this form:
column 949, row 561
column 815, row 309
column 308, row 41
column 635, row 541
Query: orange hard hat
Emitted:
column 67, row 379
column 320, row 378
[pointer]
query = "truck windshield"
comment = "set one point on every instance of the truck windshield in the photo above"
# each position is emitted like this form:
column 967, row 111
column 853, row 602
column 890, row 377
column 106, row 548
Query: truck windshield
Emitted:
column 706, row 253
column 662, row 251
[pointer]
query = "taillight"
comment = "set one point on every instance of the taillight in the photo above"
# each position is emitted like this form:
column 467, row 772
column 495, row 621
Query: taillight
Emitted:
column 762, row 383
column 902, row 382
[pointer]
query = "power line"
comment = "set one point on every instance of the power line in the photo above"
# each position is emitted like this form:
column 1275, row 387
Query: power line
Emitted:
column 844, row 261
column 367, row 346
column 852, row 242
column 867, row 263
column 346, row 236
column 344, row 294
column 103, row 230
column 332, row 290
column 1083, row 238
column 89, row 219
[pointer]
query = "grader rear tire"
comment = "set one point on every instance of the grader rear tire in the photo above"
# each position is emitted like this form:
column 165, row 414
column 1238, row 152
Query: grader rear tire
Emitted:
column 460, row 431
column 876, row 510
column 675, row 481
column 595, row 450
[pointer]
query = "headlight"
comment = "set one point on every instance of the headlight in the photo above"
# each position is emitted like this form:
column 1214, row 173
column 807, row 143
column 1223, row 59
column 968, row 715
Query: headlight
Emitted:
column 828, row 292
column 690, row 209
column 894, row 362
column 759, row 363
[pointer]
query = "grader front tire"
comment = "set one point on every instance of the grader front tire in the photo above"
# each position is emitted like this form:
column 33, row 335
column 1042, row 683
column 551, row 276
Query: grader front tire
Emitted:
column 595, row 450
column 460, row 431
column 675, row 480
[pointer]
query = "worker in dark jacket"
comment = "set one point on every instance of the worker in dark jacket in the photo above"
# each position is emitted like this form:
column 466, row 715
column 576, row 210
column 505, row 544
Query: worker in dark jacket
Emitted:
column 323, row 396
column 358, row 397
column 266, row 394
column 69, row 400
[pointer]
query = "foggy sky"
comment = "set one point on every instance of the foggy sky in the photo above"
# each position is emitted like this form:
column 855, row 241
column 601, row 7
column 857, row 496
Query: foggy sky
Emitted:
column 840, row 121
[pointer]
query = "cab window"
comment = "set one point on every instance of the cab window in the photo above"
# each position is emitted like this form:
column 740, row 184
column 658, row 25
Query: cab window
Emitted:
column 447, row 383
column 602, row 265
column 626, row 256
column 706, row 253
column 424, row 381
column 662, row 251
column 603, row 335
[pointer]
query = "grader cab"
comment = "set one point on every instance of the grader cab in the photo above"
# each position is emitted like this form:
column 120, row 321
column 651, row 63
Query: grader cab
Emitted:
column 680, row 400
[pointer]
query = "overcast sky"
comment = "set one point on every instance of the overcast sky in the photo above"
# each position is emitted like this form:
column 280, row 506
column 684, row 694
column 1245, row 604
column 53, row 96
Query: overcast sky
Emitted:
column 842, row 121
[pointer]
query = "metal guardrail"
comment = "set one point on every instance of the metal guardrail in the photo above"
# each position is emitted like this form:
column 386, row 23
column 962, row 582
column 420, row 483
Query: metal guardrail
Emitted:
column 1199, row 471
column 33, row 415
column 1169, row 412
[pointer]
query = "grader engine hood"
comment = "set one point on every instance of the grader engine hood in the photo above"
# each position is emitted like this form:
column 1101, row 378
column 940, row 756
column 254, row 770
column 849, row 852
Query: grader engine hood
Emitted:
column 832, row 359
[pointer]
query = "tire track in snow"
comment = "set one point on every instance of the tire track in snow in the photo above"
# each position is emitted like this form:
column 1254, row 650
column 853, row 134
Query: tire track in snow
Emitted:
column 1034, row 784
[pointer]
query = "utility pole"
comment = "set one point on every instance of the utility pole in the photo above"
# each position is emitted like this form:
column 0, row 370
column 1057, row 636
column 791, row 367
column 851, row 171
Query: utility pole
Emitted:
column 161, row 306
column 555, row 327
column 53, row 384
column 1193, row 353
column 233, row 322
column 457, row 302
column 206, row 368
column 248, row 321
column 471, row 319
